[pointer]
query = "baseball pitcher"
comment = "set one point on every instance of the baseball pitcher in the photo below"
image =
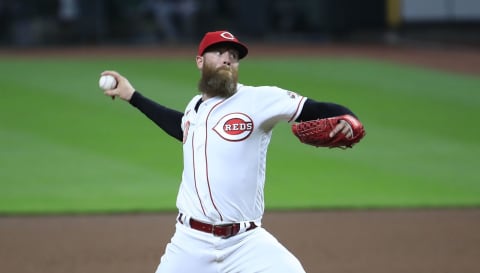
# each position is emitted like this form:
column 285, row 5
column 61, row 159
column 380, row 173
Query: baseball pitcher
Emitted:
column 225, row 131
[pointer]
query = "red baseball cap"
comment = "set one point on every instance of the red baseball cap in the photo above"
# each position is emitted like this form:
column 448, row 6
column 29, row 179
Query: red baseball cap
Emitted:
column 222, row 37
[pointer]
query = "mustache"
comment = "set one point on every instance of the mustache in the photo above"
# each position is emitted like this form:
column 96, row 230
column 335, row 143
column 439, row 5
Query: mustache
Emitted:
column 224, row 67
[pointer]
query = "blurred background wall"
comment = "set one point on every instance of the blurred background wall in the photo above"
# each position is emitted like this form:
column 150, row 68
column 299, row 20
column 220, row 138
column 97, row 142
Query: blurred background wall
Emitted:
column 27, row 23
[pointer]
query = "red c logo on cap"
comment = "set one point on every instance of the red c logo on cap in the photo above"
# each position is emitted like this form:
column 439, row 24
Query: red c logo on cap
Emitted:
column 227, row 35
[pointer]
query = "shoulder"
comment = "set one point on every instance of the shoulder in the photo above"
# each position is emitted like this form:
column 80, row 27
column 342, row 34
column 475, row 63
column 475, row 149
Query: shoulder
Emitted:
column 267, row 92
column 250, row 88
column 262, row 90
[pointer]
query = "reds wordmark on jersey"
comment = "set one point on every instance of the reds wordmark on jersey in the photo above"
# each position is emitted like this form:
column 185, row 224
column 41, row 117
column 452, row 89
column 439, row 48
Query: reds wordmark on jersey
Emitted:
column 234, row 127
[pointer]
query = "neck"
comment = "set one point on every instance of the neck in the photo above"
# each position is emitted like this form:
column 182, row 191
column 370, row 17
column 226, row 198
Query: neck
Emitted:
column 205, row 97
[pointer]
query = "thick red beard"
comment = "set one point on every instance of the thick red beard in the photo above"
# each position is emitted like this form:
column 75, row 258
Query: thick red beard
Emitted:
column 221, row 82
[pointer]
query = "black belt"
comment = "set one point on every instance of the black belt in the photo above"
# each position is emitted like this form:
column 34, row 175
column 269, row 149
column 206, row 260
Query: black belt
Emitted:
column 224, row 230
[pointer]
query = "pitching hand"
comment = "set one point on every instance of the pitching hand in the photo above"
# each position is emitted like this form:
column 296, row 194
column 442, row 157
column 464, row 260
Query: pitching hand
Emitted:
column 124, row 89
column 343, row 127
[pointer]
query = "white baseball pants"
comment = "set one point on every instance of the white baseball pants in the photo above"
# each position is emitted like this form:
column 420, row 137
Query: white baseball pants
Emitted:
column 254, row 251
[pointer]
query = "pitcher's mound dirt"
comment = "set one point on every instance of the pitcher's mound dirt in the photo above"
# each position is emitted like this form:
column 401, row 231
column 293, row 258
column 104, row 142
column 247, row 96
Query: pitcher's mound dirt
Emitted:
column 382, row 241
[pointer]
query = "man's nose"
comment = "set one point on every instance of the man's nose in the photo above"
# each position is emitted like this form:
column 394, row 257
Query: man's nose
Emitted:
column 226, row 59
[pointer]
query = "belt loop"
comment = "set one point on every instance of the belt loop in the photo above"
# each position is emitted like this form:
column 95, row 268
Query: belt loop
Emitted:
column 183, row 219
column 179, row 218
column 186, row 220
column 243, row 227
column 246, row 226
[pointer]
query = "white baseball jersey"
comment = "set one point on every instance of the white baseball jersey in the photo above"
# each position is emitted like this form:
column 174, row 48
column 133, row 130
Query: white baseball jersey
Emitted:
column 225, row 147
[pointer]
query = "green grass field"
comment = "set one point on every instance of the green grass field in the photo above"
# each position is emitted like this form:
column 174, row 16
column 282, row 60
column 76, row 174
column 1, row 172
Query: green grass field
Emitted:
column 66, row 148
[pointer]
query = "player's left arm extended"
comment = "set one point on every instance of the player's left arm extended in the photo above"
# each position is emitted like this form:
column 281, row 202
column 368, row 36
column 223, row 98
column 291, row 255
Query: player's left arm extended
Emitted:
column 325, row 124
column 318, row 110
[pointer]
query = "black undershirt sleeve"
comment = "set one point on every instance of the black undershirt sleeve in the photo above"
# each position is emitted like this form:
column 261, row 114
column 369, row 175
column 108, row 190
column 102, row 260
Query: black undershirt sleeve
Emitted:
column 168, row 119
column 317, row 110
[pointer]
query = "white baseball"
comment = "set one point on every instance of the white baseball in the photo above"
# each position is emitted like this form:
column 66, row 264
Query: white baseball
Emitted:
column 107, row 82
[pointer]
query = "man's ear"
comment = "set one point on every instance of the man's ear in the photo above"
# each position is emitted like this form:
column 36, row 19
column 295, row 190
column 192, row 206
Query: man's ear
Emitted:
column 199, row 61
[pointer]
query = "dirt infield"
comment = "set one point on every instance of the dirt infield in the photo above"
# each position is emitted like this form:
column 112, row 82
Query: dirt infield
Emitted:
column 367, row 241
column 415, row 241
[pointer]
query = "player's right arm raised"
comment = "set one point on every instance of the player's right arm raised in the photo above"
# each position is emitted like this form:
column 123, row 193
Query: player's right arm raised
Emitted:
column 168, row 119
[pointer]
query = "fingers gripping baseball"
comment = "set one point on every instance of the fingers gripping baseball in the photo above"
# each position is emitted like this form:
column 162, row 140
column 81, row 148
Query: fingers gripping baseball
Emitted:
column 344, row 127
column 341, row 131
column 123, row 89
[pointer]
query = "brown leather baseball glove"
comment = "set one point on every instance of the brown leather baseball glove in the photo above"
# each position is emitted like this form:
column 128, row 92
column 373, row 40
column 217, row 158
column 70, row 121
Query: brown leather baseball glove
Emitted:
column 318, row 132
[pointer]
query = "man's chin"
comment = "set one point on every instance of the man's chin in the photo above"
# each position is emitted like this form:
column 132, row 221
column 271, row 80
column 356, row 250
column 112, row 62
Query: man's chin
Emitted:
column 224, row 89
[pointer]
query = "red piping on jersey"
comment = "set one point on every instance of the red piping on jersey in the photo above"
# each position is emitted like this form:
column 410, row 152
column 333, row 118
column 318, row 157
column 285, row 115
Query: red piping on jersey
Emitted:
column 195, row 175
column 296, row 111
column 206, row 160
